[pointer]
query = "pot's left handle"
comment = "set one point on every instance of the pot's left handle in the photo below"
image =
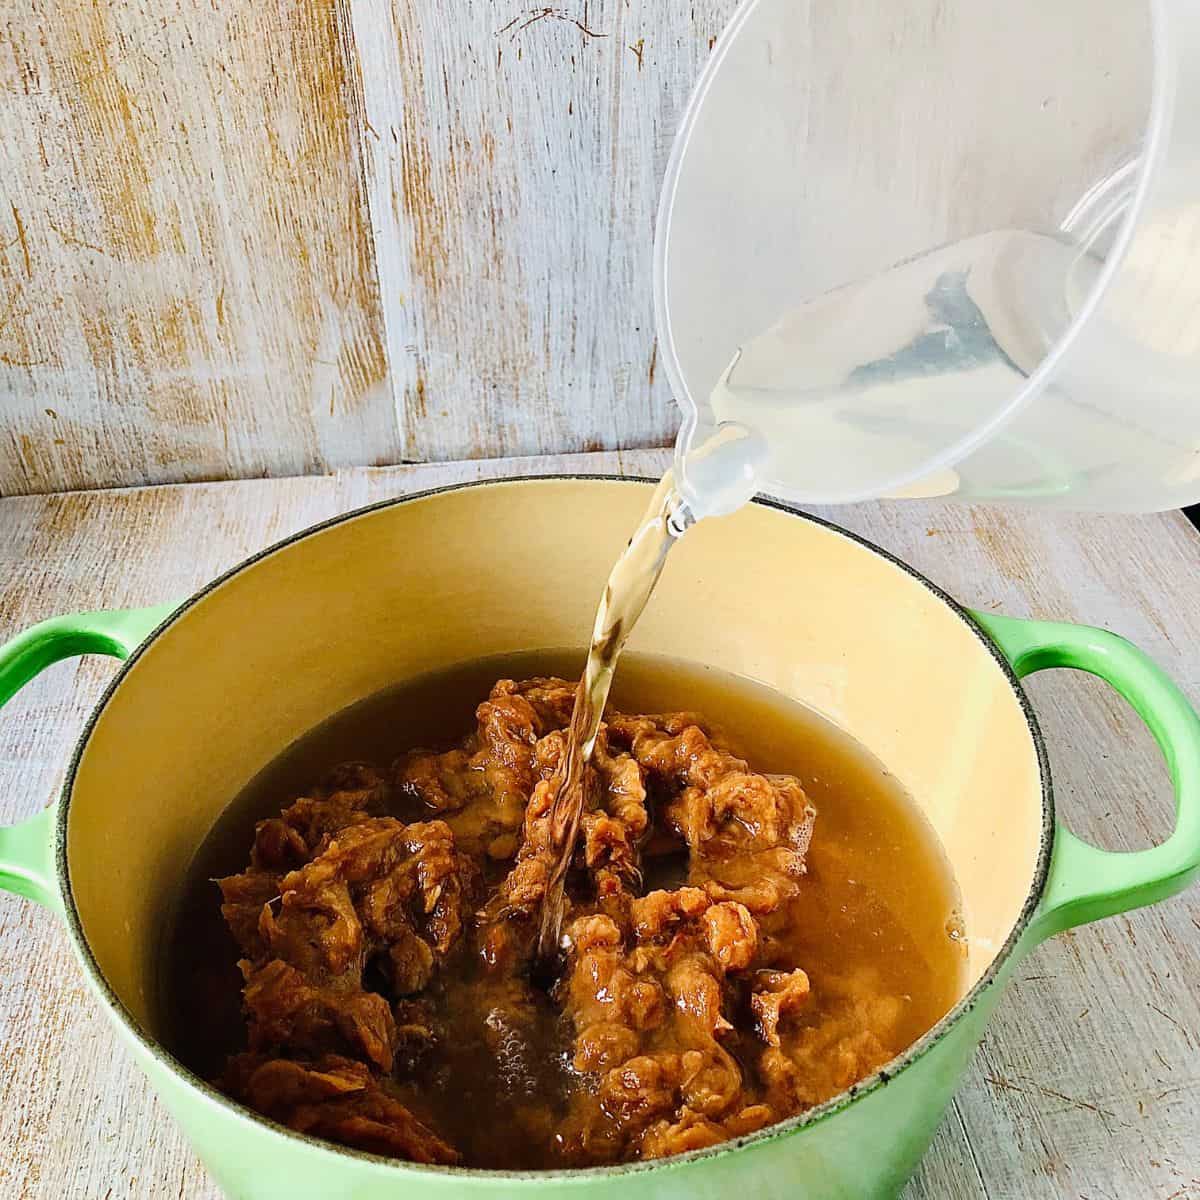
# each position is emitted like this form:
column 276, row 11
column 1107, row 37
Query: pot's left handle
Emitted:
column 1086, row 883
column 27, row 849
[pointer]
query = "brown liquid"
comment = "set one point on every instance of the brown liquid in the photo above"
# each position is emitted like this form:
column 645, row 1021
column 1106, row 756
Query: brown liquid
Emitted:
column 625, row 597
column 879, row 895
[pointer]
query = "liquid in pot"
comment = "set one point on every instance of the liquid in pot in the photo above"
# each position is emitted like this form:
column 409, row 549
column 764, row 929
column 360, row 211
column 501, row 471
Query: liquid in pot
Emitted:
column 872, row 926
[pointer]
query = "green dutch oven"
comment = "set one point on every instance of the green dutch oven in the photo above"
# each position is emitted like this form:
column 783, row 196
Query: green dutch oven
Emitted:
column 213, row 689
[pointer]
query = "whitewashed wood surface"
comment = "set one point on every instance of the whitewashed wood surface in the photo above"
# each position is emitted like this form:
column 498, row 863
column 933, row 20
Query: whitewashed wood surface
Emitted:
column 260, row 237
column 1088, row 1083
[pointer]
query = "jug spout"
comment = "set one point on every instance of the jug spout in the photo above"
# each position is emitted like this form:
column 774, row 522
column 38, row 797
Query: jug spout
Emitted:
column 945, row 281
column 718, row 468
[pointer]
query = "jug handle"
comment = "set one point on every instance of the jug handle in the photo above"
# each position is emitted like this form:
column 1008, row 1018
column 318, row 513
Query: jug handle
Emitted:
column 1084, row 882
column 27, row 850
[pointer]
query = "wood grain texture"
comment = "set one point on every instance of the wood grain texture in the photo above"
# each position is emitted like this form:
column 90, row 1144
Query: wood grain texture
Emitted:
column 187, row 279
column 1088, row 1082
column 278, row 238
column 514, row 183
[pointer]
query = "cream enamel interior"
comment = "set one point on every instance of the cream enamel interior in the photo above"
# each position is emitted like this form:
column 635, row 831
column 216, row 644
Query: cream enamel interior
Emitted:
column 341, row 613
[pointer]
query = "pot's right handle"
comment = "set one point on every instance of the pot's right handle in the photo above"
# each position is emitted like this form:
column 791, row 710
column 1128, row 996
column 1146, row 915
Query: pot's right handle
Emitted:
column 27, row 849
column 1086, row 883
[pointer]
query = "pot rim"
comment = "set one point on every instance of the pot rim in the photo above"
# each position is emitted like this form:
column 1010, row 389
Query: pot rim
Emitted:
column 209, row 1094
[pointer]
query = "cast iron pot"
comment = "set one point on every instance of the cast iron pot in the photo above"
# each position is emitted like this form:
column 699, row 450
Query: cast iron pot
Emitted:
column 214, row 689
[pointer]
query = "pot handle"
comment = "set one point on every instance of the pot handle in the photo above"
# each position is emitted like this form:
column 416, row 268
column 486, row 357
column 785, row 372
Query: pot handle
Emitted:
column 27, row 849
column 1086, row 883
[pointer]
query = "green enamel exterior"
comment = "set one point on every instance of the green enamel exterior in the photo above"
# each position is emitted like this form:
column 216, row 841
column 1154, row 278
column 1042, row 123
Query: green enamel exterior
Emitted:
column 854, row 1148
column 27, row 850
column 1085, row 883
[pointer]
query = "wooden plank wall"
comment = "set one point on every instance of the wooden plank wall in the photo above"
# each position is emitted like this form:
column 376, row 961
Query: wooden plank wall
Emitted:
column 246, row 237
column 188, row 281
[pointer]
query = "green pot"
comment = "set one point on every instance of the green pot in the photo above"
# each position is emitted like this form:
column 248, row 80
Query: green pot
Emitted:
column 213, row 689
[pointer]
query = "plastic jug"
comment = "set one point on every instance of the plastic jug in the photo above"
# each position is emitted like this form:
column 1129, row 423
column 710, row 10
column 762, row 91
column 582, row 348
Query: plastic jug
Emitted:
column 930, row 249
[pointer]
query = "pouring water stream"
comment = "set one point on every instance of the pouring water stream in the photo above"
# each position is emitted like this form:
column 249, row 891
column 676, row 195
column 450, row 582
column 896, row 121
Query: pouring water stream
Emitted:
column 715, row 477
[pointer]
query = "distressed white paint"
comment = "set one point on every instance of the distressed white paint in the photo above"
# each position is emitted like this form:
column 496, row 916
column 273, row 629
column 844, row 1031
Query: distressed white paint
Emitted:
column 186, row 283
column 266, row 238
column 513, row 184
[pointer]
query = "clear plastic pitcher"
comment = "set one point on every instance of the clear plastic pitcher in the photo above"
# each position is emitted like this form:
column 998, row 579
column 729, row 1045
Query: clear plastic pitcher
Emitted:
column 934, row 249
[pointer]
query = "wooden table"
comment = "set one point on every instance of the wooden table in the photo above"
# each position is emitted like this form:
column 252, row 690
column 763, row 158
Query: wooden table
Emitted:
column 1088, row 1083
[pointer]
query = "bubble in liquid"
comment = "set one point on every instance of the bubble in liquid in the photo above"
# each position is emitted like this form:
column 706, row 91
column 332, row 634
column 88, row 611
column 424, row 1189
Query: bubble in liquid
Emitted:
column 956, row 930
